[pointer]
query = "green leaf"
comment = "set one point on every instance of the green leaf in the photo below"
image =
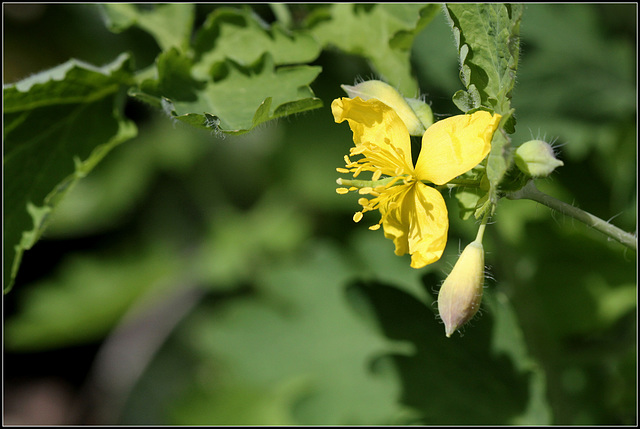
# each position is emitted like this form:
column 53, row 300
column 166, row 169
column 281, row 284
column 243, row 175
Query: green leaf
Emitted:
column 282, row 13
column 232, row 80
column 274, row 227
column 507, row 338
column 499, row 159
column 237, row 35
column 235, row 99
column 58, row 125
column 375, row 254
column 468, row 100
column 468, row 200
column 169, row 24
column 174, row 81
column 87, row 297
column 110, row 195
column 382, row 33
column 460, row 380
column 294, row 354
column 487, row 38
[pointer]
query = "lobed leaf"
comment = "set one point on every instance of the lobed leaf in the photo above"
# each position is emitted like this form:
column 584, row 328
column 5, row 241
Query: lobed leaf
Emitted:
column 239, row 74
column 58, row 125
column 487, row 38
column 317, row 361
column 499, row 159
column 442, row 377
column 236, row 99
column 382, row 33
column 237, row 35
column 170, row 24
column 468, row 200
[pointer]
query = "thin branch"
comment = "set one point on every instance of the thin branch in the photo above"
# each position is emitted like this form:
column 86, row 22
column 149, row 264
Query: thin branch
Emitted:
column 530, row 192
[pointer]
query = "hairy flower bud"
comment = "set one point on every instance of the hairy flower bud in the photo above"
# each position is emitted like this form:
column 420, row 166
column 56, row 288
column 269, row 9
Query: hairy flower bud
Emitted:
column 415, row 114
column 461, row 293
column 536, row 158
column 422, row 110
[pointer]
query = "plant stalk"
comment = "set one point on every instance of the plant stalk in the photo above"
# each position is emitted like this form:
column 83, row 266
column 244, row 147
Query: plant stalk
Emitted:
column 483, row 225
column 530, row 192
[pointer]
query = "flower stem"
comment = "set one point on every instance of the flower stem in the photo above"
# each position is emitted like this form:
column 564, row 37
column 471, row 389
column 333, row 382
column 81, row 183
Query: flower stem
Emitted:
column 530, row 192
column 483, row 225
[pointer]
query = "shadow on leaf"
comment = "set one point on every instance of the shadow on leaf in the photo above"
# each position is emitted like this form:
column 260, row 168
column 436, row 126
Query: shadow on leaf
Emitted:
column 455, row 380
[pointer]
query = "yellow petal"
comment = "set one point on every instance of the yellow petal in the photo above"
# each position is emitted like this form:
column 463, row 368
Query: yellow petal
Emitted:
column 375, row 123
column 455, row 145
column 415, row 218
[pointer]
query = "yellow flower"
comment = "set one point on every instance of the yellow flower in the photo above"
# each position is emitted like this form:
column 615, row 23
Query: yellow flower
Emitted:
column 413, row 214
column 461, row 293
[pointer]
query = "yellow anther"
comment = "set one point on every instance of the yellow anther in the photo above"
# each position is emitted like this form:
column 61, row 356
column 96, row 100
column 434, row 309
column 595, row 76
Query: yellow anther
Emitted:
column 357, row 217
column 366, row 190
column 375, row 227
column 342, row 191
column 363, row 202
column 376, row 175
column 342, row 170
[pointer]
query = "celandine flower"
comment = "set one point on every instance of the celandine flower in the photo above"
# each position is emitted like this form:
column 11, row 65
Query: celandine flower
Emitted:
column 413, row 214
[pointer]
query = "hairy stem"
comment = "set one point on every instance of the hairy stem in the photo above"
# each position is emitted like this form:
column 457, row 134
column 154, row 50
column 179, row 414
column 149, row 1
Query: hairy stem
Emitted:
column 530, row 192
column 483, row 225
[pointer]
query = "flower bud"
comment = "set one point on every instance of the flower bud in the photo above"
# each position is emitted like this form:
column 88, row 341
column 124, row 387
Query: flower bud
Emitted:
column 415, row 114
column 536, row 158
column 422, row 110
column 461, row 293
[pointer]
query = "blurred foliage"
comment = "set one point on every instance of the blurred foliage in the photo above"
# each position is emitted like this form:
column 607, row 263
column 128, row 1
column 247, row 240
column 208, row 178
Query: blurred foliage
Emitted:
column 305, row 317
